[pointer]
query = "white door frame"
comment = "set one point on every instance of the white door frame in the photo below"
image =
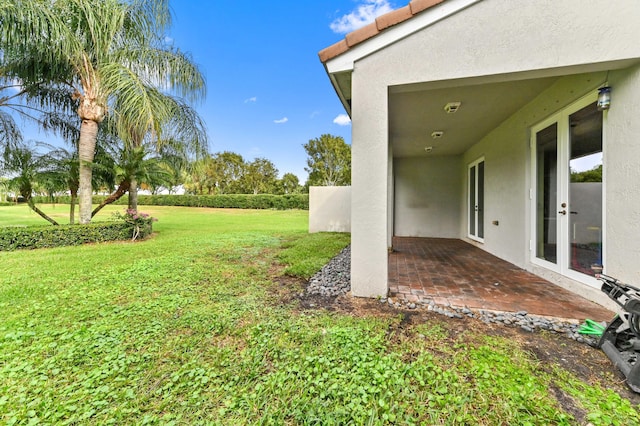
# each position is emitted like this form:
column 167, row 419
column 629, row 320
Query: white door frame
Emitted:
column 475, row 191
column 563, row 245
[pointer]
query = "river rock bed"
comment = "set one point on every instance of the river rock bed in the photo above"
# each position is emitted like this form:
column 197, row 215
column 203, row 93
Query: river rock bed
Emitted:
column 522, row 319
column 334, row 279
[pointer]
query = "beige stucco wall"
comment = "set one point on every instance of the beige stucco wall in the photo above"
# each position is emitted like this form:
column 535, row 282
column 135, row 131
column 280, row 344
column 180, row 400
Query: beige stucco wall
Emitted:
column 496, row 40
column 622, row 177
column 495, row 37
column 329, row 209
column 427, row 201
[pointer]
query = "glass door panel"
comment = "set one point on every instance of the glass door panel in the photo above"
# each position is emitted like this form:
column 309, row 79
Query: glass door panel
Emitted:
column 480, row 197
column 472, row 200
column 547, row 193
column 476, row 200
column 585, row 190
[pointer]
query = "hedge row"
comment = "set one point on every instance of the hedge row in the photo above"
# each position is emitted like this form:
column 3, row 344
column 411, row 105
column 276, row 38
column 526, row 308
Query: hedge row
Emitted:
column 230, row 201
column 33, row 237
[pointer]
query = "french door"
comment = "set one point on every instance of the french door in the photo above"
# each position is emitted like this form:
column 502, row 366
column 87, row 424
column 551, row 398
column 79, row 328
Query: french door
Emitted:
column 476, row 200
column 567, row 192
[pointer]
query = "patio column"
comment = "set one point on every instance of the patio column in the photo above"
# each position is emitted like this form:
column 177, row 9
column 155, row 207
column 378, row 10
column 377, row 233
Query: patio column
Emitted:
column 621, row 177
column 369, row 185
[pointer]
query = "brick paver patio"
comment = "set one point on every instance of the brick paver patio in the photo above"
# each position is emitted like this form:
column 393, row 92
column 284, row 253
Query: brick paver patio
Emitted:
column 451, row 271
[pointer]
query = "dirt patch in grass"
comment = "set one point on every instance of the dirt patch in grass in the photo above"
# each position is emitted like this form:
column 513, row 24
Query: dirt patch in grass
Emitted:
column 588, row 364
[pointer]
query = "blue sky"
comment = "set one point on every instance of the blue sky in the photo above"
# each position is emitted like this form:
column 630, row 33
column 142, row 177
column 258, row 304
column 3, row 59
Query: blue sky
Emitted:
column 267, row 91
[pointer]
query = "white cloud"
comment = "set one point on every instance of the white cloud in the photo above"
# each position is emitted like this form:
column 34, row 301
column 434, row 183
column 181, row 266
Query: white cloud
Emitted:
column 168, row 40
column 281, row 121
column 314, row 114
column 342, row 120
column 252, row 99
column 362, row 15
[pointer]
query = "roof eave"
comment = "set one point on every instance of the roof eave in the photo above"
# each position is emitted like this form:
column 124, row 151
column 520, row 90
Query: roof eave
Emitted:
column 385, row 30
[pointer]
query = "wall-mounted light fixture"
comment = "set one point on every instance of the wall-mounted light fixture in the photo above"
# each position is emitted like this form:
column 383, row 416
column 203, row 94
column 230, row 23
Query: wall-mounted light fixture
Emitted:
column 437, row 134
column 428, row 149
column 604, row 98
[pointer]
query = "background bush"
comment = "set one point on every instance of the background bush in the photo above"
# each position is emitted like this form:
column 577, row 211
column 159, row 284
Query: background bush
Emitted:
column 33, row 237
column 228, row 201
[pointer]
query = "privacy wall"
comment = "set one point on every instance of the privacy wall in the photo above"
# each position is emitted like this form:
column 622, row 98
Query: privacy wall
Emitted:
column 330, row 209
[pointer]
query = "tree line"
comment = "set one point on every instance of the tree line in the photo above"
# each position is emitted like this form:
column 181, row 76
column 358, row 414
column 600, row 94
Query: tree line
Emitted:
column 328, row 164
column 41, row 169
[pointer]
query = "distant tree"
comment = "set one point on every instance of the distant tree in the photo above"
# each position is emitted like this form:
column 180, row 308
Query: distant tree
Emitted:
column 199, row 179
column 259, row 177
column 329, row 161
column 226, row 169
column 289, row 184
column 593, row 175
column 4, row 189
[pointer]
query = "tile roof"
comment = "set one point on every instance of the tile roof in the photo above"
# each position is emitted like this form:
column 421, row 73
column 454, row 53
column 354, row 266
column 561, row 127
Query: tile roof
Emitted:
column 380, row 24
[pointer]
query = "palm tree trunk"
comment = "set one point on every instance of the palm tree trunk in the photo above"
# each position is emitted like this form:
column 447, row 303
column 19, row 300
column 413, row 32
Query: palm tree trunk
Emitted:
column 86, row 152
column 42, row 214
column 122, row 189
column 72, row 207
column 133, row 194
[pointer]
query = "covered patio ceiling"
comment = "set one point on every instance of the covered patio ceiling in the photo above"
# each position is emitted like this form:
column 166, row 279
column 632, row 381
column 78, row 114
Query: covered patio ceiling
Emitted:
column 416, row 111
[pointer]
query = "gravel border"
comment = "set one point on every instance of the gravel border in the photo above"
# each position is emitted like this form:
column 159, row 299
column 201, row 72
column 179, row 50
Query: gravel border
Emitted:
column 334, row 279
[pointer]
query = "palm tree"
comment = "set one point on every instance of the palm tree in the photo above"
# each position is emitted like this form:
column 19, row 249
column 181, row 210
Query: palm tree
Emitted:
column 171, row 138
column 24, row 88
column 26, row 166
column 112, row 56
column 64, row 175
column 9, row 132
column 138, row 164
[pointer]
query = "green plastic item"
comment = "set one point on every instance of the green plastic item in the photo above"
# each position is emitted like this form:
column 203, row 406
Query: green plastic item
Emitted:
column 591, row 327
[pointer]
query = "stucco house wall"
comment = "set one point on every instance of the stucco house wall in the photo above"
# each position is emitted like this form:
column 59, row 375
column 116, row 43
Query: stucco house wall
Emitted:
column 427, row 202
column 481, row 44
column 482, row 41
column 622, row 177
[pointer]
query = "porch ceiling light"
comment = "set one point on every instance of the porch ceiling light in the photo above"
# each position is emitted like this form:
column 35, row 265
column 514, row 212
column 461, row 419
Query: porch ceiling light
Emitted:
column 428, row 149
column 452, row 107
column 437, row 134
column 604, row 98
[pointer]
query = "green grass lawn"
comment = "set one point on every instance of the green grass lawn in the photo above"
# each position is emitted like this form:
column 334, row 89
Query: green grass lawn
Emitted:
column 188, row 328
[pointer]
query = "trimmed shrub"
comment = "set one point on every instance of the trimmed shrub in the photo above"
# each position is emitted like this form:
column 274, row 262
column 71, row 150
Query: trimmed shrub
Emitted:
column 33, row 237
column 228, row 201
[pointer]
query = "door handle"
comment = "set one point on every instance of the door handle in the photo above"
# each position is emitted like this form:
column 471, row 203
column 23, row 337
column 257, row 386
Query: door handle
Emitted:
column 563, row 212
